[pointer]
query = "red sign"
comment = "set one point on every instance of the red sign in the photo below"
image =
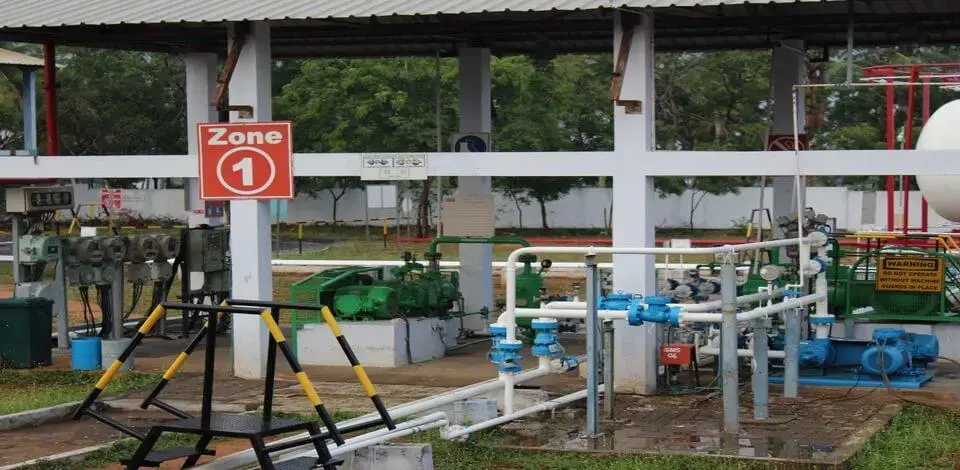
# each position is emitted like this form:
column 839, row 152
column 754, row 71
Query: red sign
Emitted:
column 246, row 161
column 676, row 354
column 785, row 143
column 111, row 198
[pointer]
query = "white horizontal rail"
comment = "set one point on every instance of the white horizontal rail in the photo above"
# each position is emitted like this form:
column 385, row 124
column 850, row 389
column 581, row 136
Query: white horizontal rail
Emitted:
column 656, row 163
column 334, row 263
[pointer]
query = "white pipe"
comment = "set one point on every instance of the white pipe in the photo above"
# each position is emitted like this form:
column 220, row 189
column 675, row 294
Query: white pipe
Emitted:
column 743, row 299
column 564, row 305
column 755, row 313
column 510, row 272
column 564, row 314
column 774, row 354
column 545, row 406
column 699, row 307
column 376, row 437
column 339, row 451
column 508, row 383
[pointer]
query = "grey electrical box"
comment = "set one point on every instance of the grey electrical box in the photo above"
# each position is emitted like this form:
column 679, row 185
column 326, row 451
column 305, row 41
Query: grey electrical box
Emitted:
column 39, row 199
column 114, row 249
column 39, row 249
column 209, row 249
column 84, row 250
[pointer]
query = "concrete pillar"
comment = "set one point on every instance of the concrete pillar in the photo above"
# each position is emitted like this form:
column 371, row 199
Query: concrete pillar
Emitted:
column 28, row 96
column 789, row 69
column 635, row 361
column 250, row 220
column 476, row 281
column 201, row 89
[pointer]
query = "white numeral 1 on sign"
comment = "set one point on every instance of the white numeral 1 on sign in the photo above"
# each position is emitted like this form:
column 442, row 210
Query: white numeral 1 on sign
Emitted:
column 245, row 167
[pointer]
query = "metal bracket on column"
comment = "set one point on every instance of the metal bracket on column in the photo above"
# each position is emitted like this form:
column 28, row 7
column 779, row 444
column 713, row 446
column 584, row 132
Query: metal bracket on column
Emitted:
column 627, row 25
column 222, row 98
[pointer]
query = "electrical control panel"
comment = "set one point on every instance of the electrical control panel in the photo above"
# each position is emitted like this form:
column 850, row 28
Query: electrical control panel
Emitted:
column 168, row 247
column 81, row 275
column 84, row 250
column 36, row 249
column 209, row 249
column 114, row 249
column 137, row 273
column 31, row 199
column 160, row 271
column 142, row 248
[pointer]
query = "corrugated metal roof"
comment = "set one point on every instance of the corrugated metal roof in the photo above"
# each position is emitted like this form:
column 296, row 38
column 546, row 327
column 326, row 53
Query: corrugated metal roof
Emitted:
column 41, row 13
column 8, row 57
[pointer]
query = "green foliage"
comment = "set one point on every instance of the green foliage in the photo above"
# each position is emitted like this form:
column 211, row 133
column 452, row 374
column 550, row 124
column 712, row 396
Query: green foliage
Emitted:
column 918, row 437
column 32, row 389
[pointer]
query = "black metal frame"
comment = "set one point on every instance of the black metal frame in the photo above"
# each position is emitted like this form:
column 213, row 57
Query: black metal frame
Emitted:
column 209, row 425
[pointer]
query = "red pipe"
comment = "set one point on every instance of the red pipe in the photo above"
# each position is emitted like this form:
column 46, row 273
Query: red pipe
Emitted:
column 50, row 96
column 924, row 208
column 891, row 145
column 908, row 144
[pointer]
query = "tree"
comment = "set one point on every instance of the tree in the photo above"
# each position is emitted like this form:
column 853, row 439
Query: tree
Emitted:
column 382, row 105
column 336, row 186
column 514, row 189
column 699, row 187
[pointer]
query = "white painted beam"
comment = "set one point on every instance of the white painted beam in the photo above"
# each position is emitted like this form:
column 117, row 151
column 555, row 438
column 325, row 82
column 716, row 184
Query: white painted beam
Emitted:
column 660, row 163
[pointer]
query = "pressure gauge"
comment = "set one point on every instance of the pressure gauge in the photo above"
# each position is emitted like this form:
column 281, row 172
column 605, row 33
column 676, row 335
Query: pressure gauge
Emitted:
column 770, row 272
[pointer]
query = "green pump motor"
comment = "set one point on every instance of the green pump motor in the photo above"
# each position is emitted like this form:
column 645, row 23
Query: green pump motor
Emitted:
column 530, row 282
column 376, row 302
column 530, row 289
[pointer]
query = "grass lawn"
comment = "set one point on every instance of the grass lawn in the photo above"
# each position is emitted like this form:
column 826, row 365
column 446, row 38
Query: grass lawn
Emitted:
column 22, row 390
column 919, row 437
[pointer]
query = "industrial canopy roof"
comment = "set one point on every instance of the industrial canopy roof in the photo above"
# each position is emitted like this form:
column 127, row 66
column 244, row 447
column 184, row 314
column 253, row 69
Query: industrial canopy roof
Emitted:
column 344, row 28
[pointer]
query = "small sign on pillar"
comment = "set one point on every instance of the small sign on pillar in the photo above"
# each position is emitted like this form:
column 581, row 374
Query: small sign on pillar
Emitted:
column 471, row 142
column 785, row 143
column 245, row 161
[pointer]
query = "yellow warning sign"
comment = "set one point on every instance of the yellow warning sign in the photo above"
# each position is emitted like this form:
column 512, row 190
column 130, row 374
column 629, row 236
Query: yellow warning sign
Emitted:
column 910, row 274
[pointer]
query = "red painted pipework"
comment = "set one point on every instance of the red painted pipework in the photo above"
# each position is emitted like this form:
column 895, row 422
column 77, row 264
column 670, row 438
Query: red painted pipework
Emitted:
column 908, row 144
column 924, row 208
column 50, row 96
column 891, row 145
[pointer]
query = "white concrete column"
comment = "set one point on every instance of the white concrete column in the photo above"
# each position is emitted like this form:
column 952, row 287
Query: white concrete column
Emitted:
column 476, row 275
column 201, row 88
column 789, row 69
column 635, row 362
column 250, row 220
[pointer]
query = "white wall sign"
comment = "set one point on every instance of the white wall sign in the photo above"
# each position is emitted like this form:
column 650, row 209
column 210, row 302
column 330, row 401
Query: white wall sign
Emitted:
column 393, row 167
column 381, row 196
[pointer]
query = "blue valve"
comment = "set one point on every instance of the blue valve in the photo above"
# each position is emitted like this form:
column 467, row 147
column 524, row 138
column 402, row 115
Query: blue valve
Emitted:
column 545, row 343
column 657, row 310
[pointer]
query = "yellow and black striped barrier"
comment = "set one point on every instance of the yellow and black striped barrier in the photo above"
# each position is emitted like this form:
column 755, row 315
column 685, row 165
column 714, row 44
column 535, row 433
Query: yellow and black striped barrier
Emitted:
column 305, row 383
column 118, row 362
column 270, row 316
column 368, row 387
column 172, row 371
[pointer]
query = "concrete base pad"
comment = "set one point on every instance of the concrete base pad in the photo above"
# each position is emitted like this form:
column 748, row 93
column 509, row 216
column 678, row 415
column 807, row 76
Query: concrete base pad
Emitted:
column 391, row 457
column 378, row 343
